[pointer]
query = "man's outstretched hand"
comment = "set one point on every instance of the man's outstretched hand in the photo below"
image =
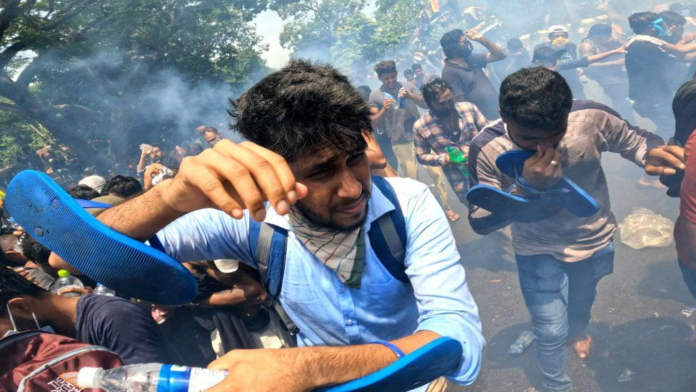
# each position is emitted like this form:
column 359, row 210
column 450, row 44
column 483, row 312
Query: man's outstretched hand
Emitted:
column 664, row 160
column 232, row 177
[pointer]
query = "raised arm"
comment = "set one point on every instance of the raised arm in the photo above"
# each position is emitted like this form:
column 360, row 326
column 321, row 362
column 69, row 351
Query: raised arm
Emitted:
column 230, row 177
column 495, row 52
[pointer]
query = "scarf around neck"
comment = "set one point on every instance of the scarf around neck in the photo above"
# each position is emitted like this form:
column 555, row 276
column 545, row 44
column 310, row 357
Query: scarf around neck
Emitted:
column 341, row 251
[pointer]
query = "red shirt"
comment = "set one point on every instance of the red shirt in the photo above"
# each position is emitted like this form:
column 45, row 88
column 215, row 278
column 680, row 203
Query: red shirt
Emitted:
column 688, row 186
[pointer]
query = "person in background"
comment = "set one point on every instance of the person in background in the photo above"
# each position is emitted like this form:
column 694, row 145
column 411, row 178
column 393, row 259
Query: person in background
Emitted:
column 409, row 76
column 568, row 52
column 609, row 74
column 562, row 258
column 421, row 79
column 83, row 192
column 148, row 157
column 550, row 58
column 123, row 187
column 382, row 141
column 447, row 124
column 649, row 66
column 684, row 108
column 464, row 70
column 393, row 120
column 111, row 322
column 517, row 58
column 675, row 24
column 95, row 182
column 211, row 136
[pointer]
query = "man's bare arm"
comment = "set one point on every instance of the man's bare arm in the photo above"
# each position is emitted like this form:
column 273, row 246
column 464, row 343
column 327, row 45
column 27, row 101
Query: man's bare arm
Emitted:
column 308, row 368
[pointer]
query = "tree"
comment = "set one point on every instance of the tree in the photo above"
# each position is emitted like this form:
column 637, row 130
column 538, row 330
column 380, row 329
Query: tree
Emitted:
column 81, row 67
column 339, row 31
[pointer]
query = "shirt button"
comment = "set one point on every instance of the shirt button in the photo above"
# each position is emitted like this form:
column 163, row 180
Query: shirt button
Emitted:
column 343, row 289
column 349, row 321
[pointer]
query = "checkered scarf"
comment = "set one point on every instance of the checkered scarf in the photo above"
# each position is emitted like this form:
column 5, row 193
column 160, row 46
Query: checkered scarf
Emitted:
column 343, row 252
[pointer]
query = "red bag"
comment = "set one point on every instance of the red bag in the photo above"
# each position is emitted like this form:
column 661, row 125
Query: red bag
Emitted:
column 36, row 361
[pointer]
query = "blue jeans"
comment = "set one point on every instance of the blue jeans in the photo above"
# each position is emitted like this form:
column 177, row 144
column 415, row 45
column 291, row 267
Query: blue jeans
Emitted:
column 559, row 297
column 689, row 276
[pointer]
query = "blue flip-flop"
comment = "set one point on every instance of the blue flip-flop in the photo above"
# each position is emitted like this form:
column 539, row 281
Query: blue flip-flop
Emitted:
column 129, row 267
column 414, row 370
column 566, row 192
column 509, row 206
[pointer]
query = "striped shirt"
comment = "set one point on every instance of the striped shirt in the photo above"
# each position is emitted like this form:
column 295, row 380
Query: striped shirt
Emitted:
column 431, row 140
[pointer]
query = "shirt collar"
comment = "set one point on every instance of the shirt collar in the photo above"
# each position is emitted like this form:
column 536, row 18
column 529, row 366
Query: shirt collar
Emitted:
column 378, row 206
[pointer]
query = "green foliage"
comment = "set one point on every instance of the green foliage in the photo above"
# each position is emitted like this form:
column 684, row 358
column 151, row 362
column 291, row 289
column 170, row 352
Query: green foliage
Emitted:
column 338, row 31
column 82, row 67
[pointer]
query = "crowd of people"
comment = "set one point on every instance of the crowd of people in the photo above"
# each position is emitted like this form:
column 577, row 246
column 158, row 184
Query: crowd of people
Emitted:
column 369, row 269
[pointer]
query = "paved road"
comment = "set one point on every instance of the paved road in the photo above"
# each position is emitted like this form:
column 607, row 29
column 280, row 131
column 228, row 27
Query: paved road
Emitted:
column 637, row 321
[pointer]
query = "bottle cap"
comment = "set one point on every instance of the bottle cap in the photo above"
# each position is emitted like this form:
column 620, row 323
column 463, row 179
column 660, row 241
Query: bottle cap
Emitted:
column 63, row 273
column 85, row 378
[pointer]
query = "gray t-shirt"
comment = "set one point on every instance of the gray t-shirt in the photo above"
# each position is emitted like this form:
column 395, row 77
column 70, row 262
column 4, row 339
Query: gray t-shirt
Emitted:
column 398, row 123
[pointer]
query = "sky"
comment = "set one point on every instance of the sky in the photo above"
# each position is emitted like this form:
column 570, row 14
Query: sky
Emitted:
column 269, row 26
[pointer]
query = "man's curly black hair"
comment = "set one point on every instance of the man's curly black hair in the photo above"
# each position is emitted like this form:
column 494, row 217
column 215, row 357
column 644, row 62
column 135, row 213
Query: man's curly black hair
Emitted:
column 301, row 109
column 537, row 98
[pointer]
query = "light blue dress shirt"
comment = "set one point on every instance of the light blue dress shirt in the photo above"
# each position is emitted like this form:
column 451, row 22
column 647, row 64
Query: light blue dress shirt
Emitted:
column 327, row 312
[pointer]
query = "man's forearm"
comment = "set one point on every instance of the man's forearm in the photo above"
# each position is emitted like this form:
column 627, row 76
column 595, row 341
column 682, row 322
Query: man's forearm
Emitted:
column 496, row 52
column 142, row 217
column 336, row 365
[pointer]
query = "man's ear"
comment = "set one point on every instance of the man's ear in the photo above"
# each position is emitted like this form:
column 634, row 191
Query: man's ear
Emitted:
column 21, row 307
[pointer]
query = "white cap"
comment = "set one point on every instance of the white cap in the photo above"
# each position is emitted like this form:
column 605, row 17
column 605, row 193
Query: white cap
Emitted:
column 227, row 266
column 557, row 29
column 86, row 375
column 95, row 182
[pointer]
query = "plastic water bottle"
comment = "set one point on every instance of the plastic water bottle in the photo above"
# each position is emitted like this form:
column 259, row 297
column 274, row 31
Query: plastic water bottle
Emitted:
column 146, row 147
column 402, row 100
column 522, row 341
column 64, row 281
column 456, row 155
column 389, row 96
column 103, row 290
column 150, row 377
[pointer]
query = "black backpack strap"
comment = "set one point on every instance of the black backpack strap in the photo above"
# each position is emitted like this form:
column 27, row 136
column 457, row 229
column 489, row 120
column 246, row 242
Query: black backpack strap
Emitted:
column 388, row 235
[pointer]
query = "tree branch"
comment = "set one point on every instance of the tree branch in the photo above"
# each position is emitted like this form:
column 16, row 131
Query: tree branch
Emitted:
column 9, row 107
column 10, row 12
column 68, row 14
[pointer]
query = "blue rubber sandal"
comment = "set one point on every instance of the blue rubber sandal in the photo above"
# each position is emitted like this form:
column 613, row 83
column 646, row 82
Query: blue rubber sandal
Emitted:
column 129, row 267
column 414, row 370
column 566, row 192
column 509, row 206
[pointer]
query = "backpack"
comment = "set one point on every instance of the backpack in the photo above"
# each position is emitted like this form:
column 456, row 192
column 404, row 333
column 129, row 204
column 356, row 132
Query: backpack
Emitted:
column 36, row 361
column 387, row 236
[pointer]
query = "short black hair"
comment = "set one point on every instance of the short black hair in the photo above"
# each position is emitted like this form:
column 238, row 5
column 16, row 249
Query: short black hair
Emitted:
column 408, row 72
column 385, row 67
column 302, row 108
column 83, row 192
column 672, row 18
column 13, row 285
column 600, row 30
column 34, row 251
column 364, row 92
column 536, row 97
column 546, row 53
column 122, row 186
column 416, row 67
column 641, row 21
column 433, row 89
column 450, row 42
column 514, row 44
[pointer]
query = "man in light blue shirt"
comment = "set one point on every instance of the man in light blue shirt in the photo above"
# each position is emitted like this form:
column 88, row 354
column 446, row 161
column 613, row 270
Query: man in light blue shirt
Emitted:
column 308, row 158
